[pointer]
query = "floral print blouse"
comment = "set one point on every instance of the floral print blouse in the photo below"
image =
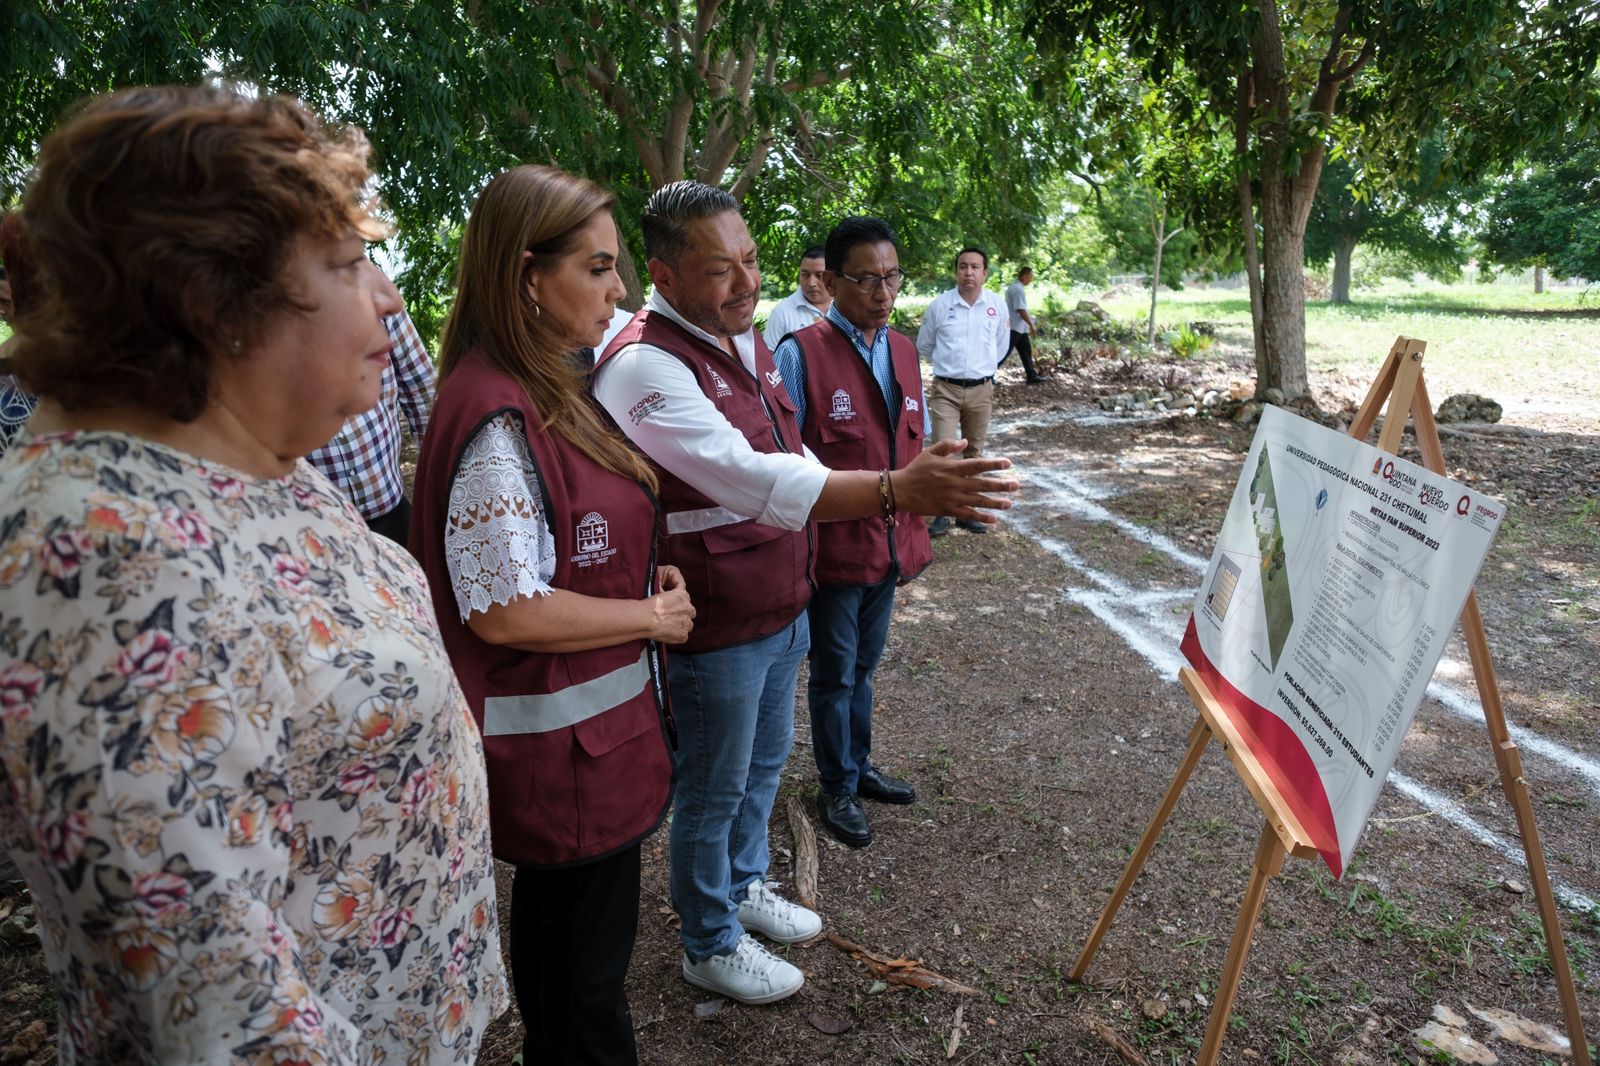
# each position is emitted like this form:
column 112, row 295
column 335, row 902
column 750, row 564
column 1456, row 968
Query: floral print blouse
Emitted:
column 235, row 768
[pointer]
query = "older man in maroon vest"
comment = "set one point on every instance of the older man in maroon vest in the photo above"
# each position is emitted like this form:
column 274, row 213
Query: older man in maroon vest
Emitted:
column 694, row 386
column 858, row 387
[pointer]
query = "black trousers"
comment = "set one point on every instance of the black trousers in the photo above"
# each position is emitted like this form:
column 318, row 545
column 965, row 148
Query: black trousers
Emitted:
column 572, row 933
column 396, row 525
column 1023, row 343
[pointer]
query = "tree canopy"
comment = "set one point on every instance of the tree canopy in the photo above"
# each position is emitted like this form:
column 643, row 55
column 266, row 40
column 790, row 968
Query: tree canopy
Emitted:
column 919, row 113
column 1549, row 214
column 1291, row 81
column 986, row 121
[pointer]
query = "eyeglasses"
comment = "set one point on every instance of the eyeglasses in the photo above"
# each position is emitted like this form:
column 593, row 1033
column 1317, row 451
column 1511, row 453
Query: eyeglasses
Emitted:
column 869, row 284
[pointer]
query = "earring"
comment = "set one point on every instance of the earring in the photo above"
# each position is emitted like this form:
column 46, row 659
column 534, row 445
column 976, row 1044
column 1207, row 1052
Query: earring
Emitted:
column 536, row 310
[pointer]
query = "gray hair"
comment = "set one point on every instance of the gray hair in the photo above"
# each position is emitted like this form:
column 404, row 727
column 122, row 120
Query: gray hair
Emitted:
column 671, row 207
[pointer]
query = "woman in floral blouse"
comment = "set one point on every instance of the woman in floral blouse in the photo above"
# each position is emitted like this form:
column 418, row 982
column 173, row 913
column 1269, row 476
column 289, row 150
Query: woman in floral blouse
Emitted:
column 235, row 767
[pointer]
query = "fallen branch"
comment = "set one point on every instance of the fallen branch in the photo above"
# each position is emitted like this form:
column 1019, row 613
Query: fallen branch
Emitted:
column 805, row 853
column 954, row 1042
column 908, row 972
column 1125, row 1051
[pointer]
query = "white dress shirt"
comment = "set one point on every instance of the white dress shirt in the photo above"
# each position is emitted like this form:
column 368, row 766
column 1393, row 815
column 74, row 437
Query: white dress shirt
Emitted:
column 964, row 341
column 794, row 312
column 658, row 403
column 1016, row 303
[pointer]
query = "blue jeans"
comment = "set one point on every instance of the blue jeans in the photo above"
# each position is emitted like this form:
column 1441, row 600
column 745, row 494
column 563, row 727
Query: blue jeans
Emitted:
column 849, row 625
column 735, row 712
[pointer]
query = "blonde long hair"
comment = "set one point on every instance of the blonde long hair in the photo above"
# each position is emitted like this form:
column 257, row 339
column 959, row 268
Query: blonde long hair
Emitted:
column 540, row 210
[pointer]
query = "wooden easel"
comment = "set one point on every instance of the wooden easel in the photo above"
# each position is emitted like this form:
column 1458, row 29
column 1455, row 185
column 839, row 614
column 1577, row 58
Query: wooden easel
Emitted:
column 1400, row 383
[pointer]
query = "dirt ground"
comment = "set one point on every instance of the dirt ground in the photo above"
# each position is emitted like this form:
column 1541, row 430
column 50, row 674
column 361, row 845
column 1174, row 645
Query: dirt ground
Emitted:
column 1028, row 691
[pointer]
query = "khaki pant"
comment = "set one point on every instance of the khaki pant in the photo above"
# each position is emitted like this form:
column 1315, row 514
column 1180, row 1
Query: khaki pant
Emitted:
column 958, row 411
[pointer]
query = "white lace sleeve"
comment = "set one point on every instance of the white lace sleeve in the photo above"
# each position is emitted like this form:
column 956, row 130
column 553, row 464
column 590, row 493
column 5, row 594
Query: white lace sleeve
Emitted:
column 496, row 543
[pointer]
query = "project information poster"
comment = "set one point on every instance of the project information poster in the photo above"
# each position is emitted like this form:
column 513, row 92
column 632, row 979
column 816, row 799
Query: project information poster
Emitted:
column 1338, row 575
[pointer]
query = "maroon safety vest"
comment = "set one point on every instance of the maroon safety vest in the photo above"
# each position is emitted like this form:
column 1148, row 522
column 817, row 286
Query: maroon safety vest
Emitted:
column 849, row 427
column 577, row 765
column 747, row 580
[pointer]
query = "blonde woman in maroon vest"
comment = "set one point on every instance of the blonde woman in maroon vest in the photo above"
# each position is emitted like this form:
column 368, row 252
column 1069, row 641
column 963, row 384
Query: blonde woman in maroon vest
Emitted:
column 536, row 524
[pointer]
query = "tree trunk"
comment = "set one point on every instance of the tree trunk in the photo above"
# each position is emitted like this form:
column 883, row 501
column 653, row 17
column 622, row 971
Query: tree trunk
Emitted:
column 1342, row 253
column 628, row 271
column 1247, row 214
column 1538, row 280
column 1283, row 292
column 1158, row 226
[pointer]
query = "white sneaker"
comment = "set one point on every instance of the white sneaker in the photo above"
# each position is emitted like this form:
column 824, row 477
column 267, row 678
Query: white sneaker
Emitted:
column 764, row 911
column 749, row 973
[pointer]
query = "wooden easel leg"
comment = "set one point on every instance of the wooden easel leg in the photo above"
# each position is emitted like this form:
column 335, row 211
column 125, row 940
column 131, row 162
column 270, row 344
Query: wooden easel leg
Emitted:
column 1269, row 860
column 1199, row 737
column 1509, row 759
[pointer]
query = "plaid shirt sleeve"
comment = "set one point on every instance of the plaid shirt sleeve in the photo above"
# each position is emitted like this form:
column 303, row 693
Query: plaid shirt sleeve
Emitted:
column 413, row 371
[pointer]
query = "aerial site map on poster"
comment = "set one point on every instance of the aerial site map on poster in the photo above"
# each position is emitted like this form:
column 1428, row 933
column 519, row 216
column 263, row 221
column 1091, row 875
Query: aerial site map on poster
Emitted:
column 1337, row 577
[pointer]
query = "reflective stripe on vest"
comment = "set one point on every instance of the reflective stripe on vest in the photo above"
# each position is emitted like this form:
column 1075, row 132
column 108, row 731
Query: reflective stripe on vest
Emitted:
column 702, row 520
column 511, row 715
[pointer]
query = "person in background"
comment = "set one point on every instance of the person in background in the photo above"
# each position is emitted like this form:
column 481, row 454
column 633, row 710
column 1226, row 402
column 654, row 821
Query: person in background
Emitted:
column 964, row 336
column 1022, row 325
column 241, row 780
column 363, row 460
column 857, row 387
column 17, row 294
column 807, row 304
column 692, row 384
column 537, row 526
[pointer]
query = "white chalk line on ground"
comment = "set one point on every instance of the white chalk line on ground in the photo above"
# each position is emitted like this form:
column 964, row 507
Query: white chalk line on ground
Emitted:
column 1146, row 621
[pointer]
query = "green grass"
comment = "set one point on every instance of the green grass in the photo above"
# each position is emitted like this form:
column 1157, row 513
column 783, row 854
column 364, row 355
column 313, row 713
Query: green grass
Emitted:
column 1500, row 340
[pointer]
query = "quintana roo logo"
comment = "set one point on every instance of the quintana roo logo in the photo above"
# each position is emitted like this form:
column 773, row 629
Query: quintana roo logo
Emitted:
column 594, row 533
column 716, row 380
column 842, row 407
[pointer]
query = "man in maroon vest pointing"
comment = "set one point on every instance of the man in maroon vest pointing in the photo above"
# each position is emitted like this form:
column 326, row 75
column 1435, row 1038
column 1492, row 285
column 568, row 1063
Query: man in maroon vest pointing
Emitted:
column 858, row 386
column 694, row 386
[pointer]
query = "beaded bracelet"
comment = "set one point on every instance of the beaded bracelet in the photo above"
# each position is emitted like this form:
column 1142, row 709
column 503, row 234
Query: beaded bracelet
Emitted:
column 886, row 493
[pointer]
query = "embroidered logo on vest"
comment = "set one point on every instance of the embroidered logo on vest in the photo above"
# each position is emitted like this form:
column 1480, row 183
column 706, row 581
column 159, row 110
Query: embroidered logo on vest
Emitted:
column 911, row 404
column 594, row 540
column 716, row 379
column 593, row 533
column 842, row 409
column 774, row 378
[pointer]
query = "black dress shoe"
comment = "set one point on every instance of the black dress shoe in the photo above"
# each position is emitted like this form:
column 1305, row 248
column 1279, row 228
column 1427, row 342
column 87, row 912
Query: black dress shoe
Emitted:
column 843, row 817
column 939, row 527
column 874, row 784
column 972, row 525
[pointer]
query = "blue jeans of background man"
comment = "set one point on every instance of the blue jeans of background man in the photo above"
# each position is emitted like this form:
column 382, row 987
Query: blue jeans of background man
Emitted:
column 849, row 625
column 735, row 713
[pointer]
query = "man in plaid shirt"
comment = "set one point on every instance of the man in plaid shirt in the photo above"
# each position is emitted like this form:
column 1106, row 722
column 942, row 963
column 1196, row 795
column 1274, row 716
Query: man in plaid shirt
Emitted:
column 364, row 459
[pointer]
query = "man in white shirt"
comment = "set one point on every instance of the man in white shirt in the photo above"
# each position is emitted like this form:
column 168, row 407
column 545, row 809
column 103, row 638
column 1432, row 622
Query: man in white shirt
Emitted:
column 694, row 386
column 807, row 304
column 1022, row 323
column 964, row 336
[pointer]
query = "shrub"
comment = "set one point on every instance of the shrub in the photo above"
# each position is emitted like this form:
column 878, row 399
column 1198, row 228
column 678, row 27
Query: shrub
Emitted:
column 1187, row 342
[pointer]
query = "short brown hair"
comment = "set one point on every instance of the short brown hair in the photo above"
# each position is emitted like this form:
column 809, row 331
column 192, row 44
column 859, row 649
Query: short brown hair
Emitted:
column 163, row 220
